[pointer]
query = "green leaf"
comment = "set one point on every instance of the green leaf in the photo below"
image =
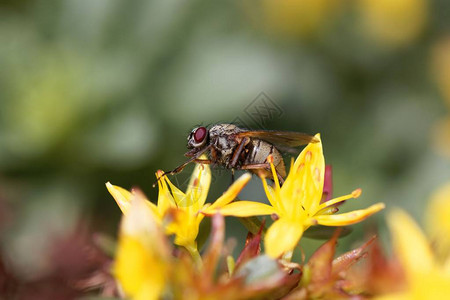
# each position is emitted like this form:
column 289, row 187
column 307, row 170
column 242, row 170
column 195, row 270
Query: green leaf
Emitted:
column 253, row 224
column 106, row 243
column 203, row 232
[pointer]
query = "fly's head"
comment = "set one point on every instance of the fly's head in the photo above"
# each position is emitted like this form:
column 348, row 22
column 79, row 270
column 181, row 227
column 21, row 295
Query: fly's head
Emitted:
column 197, row 140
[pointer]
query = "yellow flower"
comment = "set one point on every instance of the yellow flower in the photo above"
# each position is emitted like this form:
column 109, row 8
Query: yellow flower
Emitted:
column 426, row 277
column 181, row 209
column 187, row 216
column 142, row 247
column 296, row 204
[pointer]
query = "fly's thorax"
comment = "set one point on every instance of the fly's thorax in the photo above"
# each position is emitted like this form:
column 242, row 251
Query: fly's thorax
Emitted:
column 224, row 130
column 221, row 136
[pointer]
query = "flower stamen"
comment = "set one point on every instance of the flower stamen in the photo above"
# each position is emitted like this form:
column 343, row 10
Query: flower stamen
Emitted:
column 274, row 174
column 355, row 194
column 269, row 194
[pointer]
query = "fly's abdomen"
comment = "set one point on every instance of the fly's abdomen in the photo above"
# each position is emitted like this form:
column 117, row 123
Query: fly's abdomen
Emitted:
column 259, row 153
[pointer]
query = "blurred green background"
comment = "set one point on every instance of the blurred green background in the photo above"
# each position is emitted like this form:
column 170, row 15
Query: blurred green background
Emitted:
column 105, row 90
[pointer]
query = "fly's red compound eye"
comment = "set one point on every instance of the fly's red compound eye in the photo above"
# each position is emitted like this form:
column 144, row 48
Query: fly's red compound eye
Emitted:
column 200, row 134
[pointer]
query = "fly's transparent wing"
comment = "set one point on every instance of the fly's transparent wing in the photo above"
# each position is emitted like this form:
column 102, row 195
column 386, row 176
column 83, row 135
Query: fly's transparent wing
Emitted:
column 283, row 138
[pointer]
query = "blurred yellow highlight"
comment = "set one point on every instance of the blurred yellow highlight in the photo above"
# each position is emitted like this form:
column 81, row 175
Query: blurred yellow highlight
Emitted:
column 393, row 23
column 438, row 221
column 440, row 66
column 298, row 17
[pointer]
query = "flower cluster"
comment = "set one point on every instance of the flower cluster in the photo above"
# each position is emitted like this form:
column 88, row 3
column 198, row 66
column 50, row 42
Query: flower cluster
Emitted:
column 148, row 266
column 297, row 204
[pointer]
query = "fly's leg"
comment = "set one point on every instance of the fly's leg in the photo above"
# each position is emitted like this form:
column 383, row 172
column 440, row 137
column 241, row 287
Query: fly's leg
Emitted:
column 204, row 161
column 280, row 179
column 255, row 166
column 238, row 151
column 264, row 166
column 182, row 166
column 236, row 155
